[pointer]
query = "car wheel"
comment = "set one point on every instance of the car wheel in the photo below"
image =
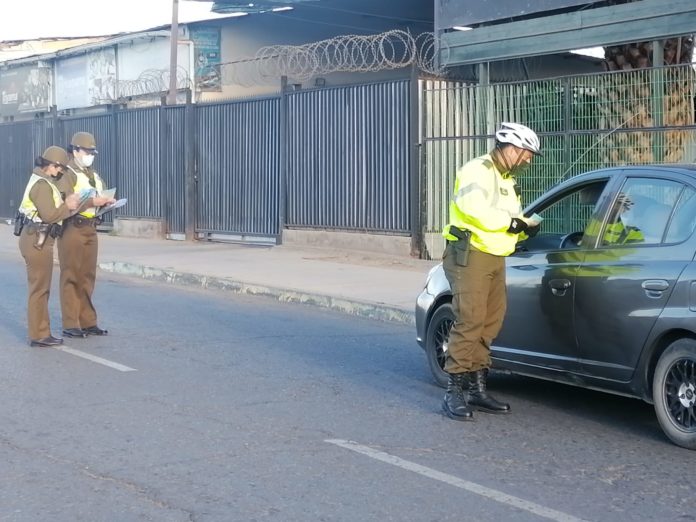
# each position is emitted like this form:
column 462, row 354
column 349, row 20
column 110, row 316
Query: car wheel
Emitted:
column 436, row 342
column 674, row 392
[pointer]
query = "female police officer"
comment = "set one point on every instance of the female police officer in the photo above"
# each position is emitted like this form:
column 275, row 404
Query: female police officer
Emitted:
column 41, row 214
column 77, row 248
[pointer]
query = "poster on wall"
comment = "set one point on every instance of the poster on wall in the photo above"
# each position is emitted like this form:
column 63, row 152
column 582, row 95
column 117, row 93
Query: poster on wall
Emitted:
column 206, row 49
column 25, row 90
column 71, row 83
column 101, row 76
column 86, row 80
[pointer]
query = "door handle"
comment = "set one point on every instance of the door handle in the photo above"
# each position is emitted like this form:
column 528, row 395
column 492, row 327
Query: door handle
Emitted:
column 654, row 287
column 559, row 286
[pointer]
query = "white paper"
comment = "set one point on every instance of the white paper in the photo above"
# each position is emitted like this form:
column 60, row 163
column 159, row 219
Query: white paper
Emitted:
column 108, row 193
column 533, row 220
column 108, row 208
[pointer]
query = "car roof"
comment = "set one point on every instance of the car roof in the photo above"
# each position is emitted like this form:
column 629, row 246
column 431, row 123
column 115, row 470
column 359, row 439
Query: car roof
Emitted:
column 688, row 169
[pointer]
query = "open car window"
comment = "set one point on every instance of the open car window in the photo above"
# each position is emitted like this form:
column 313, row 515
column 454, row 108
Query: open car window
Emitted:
column 567, row 218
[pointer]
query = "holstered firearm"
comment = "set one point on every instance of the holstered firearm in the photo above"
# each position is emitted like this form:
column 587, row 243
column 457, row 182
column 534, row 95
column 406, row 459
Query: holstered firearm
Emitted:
column 41, row 235
column 43, row 231
column 18, row 224
column 461, row 245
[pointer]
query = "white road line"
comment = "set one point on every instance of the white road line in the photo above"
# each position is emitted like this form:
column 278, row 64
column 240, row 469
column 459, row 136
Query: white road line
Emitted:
column 472, row 487
column 98, row 360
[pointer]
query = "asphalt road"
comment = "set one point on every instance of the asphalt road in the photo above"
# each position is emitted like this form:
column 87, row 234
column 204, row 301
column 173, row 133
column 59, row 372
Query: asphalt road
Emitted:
column 206, row 406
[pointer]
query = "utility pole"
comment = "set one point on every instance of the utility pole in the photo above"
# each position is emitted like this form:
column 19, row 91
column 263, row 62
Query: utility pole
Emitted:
column 173, row 40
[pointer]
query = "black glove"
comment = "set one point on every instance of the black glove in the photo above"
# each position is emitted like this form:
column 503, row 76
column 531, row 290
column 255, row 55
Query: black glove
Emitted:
column 532, row 230
column 517, row 225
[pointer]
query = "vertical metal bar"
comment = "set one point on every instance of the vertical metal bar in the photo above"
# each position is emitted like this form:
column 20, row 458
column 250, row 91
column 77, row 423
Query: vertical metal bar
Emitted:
column 190, row 172
column 567, row 115
column 414, row 140
column 657, row 89
column 282, row 131
column 164, row 159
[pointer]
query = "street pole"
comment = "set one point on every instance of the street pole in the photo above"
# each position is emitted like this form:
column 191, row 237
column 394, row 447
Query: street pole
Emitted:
column 173, row 40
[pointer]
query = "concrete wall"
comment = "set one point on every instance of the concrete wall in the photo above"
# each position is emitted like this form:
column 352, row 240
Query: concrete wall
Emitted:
column 242, row 37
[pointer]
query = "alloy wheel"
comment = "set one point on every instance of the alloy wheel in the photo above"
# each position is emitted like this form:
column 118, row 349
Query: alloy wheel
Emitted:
column 680, row 394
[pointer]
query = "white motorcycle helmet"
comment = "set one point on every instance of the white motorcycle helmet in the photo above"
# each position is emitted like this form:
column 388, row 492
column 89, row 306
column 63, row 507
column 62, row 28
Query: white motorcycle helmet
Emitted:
column 519, row 136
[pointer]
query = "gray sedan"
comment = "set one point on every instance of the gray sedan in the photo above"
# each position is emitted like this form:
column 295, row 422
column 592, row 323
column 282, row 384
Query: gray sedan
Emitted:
column 603, row 297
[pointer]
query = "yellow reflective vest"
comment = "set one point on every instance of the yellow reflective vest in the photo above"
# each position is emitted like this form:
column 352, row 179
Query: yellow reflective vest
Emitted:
column 620, row 234
column 484, row 202
column 28, row 208
column 82, row 185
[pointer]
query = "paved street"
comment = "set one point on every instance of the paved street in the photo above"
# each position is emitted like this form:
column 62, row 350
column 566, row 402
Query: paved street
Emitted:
column 208, row 406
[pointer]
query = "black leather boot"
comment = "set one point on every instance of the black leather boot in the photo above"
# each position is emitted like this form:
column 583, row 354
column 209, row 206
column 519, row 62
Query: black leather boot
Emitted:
column 479, row 398
column 455, row 402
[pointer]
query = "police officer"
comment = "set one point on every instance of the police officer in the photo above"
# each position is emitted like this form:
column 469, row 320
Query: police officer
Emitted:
column 40, row 216
column 77, row 248
column 485, row 223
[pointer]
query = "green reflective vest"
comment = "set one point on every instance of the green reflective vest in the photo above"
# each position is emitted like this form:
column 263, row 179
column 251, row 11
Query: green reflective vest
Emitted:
column 28, row 208
column 484, row 202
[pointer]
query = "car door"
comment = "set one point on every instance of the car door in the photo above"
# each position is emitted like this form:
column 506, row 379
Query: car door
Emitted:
column 538, row 332
column 627, row 277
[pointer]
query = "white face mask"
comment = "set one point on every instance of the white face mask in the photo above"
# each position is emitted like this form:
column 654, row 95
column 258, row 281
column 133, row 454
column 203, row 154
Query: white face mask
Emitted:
column 87, row 160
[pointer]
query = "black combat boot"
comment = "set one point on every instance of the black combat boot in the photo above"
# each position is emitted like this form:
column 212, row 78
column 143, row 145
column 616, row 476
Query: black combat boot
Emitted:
column 455, row 403
column 479, row 398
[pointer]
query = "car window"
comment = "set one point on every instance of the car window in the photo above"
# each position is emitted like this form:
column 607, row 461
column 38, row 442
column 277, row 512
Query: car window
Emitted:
column 573, row 211
column 684, row 219
column 640, row 212
column 565, row 218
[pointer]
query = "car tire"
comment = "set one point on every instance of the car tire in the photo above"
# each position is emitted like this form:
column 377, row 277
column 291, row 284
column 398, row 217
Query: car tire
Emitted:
column 436, row 342
column 674, row 392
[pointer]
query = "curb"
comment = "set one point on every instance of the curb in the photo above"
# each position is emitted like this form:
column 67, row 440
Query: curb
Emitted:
column 357, row 308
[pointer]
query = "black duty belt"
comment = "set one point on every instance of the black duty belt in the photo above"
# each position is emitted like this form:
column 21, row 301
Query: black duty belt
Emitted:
column 82, row 221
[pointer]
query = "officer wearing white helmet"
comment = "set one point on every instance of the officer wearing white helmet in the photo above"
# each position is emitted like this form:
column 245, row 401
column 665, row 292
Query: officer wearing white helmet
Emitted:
column 485, row 223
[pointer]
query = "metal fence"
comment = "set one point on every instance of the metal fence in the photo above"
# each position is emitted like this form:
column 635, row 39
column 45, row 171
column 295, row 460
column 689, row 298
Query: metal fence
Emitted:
column 341, row 158
column 348, row 158
column 238, row 168
column 585, row 122
column 335, row 158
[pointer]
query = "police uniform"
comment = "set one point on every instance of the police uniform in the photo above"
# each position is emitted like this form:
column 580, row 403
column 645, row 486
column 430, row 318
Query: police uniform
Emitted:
column 484, row 202
column 42, row 205
column 484, row 213
column 78, row 248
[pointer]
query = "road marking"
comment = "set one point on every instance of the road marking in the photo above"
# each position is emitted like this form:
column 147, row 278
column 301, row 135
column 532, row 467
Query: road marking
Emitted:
column 472, row 487
column 98, row 360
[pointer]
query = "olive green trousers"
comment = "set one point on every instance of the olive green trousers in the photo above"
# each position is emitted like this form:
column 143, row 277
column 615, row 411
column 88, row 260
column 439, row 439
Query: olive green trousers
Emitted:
column 39, row 274
column 479, row 300
column 77, row 252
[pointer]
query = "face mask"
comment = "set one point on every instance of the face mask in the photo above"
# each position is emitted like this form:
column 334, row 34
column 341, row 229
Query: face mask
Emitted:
column 87, row 160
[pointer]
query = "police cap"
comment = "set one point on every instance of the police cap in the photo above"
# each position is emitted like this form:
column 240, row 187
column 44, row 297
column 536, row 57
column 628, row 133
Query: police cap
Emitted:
column 84, row 140
column 56, row 155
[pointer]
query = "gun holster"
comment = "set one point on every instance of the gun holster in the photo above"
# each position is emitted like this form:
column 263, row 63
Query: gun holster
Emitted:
column 55, row 230
column 18, row 224
column 461, row 245
column 42, row 230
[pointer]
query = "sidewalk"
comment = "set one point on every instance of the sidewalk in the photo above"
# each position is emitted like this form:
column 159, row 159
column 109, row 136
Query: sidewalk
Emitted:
column 359, row 283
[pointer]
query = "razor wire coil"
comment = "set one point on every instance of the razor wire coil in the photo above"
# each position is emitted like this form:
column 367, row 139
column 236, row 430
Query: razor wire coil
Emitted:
column 347, row 53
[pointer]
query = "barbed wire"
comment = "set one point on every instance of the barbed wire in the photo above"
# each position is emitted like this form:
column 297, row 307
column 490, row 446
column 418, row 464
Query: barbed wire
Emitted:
column 347, row 53
column 152, row 81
